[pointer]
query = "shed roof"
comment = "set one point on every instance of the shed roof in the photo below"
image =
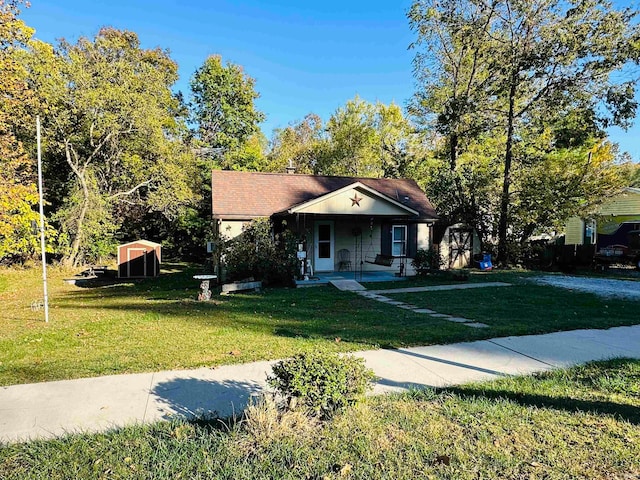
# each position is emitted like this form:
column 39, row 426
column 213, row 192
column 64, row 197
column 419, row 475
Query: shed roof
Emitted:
column 148, row 243
column 244, row 195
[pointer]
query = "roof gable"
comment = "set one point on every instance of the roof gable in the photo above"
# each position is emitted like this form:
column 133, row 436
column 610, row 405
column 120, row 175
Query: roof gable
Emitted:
column 147, row 243
column 354, row 199
column 245, row 195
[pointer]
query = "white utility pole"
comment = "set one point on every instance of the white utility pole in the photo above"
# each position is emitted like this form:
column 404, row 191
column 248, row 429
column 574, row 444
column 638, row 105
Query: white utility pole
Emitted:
column 42, row 242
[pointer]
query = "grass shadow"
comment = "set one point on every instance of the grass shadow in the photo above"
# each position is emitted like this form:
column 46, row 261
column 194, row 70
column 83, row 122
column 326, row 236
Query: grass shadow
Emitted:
column 624, row 412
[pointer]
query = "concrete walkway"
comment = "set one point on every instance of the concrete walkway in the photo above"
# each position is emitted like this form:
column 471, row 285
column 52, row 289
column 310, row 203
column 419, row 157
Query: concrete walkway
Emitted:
column 50, row 409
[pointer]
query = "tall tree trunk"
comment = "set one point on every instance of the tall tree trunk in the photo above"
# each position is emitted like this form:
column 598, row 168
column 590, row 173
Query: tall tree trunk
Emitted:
column 503, row 257
column 453, row 163
column 453, row 151
column 73, row 258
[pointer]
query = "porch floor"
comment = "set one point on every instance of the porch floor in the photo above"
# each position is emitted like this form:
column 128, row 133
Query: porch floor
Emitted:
column 323, row 278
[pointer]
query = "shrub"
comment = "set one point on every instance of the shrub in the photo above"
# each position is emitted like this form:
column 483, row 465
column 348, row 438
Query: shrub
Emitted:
column 323, row 383
column 261, row 254
column 427, row 259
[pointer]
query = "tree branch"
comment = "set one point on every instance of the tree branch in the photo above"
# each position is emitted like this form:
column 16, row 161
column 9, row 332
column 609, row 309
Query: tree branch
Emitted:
column 133, row 190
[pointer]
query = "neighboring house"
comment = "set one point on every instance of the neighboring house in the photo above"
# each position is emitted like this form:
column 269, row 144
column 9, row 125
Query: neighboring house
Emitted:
column 610, row 225
column 367, row 217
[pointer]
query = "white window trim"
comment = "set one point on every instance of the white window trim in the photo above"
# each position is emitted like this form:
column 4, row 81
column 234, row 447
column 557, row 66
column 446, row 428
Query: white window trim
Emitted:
column 394, row 241
column 591, row 225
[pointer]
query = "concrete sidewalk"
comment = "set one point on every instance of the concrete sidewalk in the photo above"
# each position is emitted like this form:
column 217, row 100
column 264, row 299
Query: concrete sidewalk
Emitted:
column 50, row 409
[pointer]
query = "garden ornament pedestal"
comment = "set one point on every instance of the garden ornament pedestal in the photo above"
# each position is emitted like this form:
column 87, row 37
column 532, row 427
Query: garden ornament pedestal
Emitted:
column 205, row 293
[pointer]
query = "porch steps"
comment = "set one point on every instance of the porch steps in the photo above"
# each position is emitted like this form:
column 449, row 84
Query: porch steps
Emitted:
column 347, row 285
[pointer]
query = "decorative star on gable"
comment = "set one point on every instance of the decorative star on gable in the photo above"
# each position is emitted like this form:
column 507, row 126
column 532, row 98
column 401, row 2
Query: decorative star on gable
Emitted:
column 355, row 200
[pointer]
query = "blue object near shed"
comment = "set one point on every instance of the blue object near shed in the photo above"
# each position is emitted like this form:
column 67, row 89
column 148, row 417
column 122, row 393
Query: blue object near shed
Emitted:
column 485, row 263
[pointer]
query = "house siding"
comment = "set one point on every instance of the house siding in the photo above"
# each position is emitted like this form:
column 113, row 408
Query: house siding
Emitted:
column 231, row 228
column 425, row 236
column 627, row 203
column 623, row 208
column 574, row 234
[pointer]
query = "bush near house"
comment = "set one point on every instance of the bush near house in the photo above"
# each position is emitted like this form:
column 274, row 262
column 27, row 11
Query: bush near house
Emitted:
column 427, row 260
column 262, row 254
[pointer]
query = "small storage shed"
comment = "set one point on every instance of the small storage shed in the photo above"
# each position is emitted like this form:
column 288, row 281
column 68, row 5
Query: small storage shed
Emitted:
column 457, row 244
column 139, row 259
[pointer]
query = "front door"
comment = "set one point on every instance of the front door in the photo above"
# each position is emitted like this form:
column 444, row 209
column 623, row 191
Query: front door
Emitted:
column 323, row 256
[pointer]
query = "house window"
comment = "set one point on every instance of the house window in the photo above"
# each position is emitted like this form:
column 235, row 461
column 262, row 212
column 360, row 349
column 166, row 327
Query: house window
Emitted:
column 399, row 240
column 590, row 232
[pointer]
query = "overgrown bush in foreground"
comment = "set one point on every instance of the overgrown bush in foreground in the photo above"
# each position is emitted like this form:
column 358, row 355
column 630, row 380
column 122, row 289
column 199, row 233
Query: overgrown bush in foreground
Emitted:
column 323, row 383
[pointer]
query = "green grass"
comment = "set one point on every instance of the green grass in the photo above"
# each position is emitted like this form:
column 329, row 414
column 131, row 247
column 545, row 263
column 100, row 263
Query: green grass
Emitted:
column 582, row 423
column 527, row 307
column 156, row 324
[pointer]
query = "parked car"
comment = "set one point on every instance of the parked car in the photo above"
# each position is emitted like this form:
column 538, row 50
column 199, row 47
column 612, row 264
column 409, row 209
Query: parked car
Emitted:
column 629, row 253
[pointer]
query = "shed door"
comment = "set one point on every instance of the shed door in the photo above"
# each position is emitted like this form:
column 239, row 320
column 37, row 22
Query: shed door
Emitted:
column 137, row 260
column 460, row 247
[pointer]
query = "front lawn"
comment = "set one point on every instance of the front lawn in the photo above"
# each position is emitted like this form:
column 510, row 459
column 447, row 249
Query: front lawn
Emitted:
column 582, row 423
column 527, row 307
column 156, row 324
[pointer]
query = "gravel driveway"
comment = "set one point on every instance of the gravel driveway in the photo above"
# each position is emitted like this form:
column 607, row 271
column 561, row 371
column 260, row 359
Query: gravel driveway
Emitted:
column 605, row 287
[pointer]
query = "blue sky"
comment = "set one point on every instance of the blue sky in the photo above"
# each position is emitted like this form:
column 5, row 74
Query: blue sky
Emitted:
column 305, row 56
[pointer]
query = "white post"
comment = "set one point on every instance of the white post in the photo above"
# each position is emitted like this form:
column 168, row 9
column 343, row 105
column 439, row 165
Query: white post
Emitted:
column 42, row 242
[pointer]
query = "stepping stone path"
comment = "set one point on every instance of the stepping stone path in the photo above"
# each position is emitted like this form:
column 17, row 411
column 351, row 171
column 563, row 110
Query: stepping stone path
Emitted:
column 375, row 295
column 424, row 310
column 347, row 285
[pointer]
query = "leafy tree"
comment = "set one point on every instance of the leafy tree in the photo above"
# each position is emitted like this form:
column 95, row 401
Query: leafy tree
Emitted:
column 368, row 140
column 110, row 114
column 559, row 57
column 223, row 108
column 452, row 66
column 359, row 139
column 521, row 67
column 18, row 191
column 251, row 155
column 300, row 143
column 18, row 198
column 635, row 176
column 562, row 183
column 227, row 132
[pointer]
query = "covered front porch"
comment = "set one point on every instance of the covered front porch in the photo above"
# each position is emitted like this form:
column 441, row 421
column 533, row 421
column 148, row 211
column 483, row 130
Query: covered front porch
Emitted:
column 357, row 231
column 323, row 278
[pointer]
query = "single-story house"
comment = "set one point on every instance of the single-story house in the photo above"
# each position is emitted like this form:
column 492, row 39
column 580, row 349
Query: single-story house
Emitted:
column 610, row 225
column 342, row 222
